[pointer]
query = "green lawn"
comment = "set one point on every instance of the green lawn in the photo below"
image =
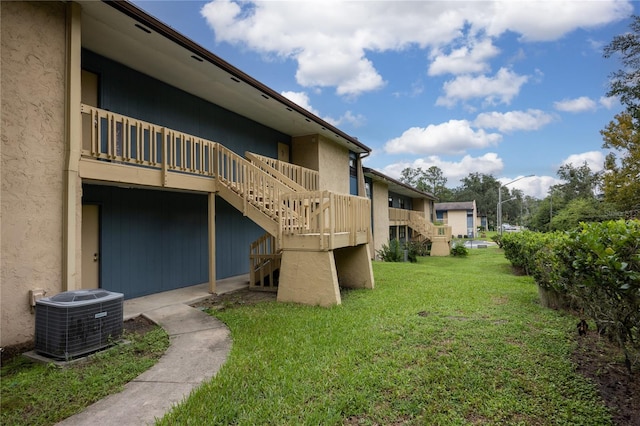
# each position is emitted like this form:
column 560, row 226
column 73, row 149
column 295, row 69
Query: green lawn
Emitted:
column 43, row 394
column 445, row 341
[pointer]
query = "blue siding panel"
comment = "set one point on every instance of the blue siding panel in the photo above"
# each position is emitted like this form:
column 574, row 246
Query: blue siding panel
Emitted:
column 150, row 241
column 234, row 234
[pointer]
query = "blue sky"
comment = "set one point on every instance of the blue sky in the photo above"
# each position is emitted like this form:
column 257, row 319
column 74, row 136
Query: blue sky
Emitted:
column 503, row 88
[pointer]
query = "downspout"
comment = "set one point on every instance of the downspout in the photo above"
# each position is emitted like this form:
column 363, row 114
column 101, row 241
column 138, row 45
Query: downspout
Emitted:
column 362, row 192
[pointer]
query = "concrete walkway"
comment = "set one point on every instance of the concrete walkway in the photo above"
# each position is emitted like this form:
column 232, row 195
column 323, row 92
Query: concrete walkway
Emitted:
column 199, row 345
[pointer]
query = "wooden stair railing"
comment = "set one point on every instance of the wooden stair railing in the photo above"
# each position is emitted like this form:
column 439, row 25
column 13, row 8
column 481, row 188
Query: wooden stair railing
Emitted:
column 264, row 261
column 298, row 178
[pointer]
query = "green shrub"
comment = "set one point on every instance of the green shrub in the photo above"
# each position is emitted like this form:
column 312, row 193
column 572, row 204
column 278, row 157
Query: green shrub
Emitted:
column 415, row 249
column 459, row 249
column 521, row 248
column 394, row 252
column 595, row 268
column 600, row 268
column 391, row 253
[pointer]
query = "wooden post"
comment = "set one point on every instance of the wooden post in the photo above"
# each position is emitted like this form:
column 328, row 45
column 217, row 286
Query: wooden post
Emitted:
column 211, row 217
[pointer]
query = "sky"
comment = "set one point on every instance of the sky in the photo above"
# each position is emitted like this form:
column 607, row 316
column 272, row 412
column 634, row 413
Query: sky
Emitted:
column 510, row 89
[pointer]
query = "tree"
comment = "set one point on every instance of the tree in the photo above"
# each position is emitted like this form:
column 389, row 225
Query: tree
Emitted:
column 412, row 177
column 431, row 181
column 579, row 210
column 579, row 182
column 570, row 202
column 621, row 182
column 622, row 166
column 625, row 83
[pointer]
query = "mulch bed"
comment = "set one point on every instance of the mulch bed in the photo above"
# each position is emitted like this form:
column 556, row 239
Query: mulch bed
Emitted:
column 599, row 360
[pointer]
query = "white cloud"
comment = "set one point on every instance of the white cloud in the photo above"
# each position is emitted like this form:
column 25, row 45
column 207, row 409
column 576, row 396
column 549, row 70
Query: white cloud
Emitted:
column 330, row 40
column 580, row 104
column 594, row 159
column 488, row 163
column 501, row 88
column 608, row 102
column 535, row 186
column 472, row 58
column 548, row 21
column 302, row 99
column 452, row 137
column 531, row 119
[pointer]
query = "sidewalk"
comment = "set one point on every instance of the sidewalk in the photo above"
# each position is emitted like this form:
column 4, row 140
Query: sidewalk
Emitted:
column 199, row 345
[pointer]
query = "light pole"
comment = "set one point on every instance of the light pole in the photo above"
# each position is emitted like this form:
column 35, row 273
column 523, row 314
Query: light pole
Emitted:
column 499, row 207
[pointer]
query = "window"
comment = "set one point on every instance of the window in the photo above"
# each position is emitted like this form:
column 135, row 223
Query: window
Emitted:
column 401, row 200
column 353, row 170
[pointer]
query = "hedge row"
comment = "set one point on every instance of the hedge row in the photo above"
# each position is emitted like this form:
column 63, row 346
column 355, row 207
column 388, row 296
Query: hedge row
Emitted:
column 595, row 269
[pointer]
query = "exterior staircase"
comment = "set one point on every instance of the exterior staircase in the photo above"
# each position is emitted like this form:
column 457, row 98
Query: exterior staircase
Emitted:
column 281, row 198
column 439, row 236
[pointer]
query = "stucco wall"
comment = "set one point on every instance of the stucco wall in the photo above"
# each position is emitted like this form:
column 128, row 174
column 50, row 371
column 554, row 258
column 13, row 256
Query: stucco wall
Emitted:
column 33, row 128
column 304, row 151
column 328, row 158
column 457, row 219
column 380, row 201
column 333, row 166
column 424, row 206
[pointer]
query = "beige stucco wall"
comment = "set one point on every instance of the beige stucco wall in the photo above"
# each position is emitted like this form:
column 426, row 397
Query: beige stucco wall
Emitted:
column 304, row 151
column 328, row 158
column 380, row 202
column 457, row 220
column 333, row 166
column 424, row 206
column 32, row 159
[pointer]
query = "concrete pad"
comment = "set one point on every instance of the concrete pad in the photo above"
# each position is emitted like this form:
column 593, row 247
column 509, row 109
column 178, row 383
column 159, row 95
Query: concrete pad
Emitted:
column 140, row 403
column 185, row 295
column 178, row 319
column 191, row 358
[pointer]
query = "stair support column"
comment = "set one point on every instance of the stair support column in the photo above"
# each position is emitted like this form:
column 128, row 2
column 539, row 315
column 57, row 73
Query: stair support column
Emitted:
column 440, row 247
column 354, row 267
column 309, row 277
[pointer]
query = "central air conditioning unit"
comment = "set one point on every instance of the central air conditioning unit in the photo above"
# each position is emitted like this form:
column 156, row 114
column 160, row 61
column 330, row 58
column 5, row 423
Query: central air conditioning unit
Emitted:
column 75, row 323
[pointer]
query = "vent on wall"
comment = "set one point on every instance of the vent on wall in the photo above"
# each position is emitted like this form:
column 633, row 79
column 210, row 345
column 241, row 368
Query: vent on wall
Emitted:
column 75, row 323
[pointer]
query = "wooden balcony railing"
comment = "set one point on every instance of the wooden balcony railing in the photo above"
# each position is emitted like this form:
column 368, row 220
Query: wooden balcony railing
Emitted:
column 339, row 218
column 122, row 139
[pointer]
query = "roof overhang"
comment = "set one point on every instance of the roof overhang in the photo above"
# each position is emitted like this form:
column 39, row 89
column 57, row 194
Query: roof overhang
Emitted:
column 395, row 185
column 126, row 34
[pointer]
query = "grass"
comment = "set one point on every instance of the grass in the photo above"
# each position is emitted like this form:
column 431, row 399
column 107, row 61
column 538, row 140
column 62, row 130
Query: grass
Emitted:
column 446, row 341
column 43, row 394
